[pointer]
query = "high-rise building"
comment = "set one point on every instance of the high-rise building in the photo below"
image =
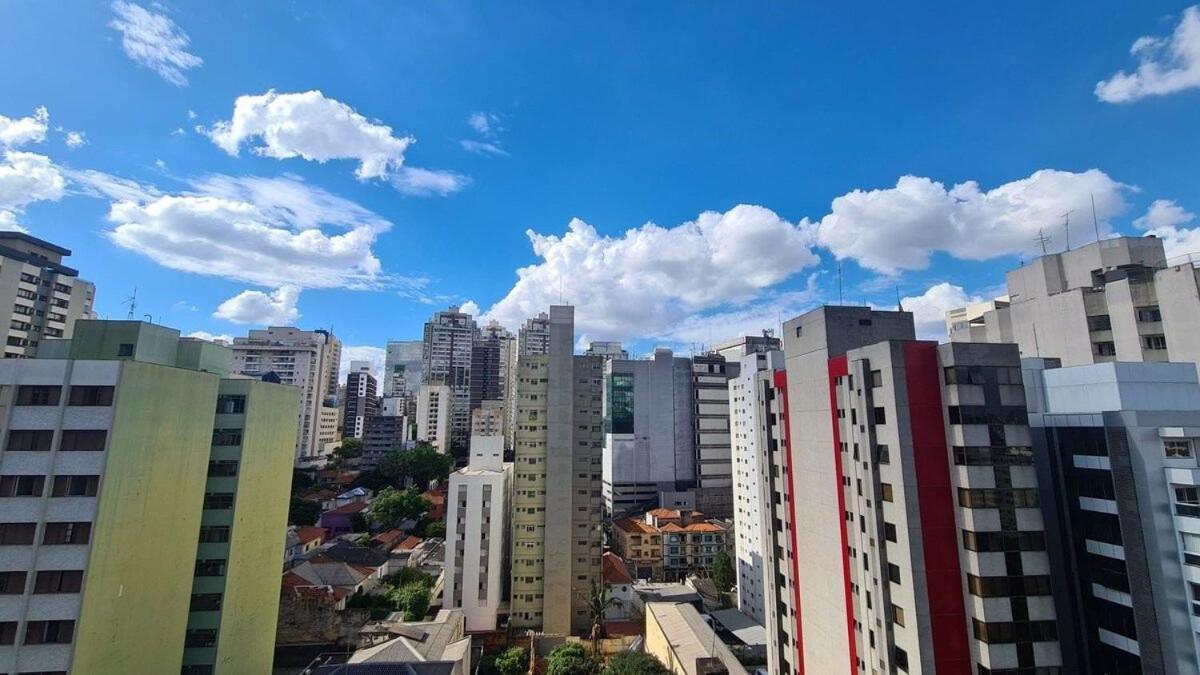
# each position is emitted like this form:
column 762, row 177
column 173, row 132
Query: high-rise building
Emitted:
column 988, row 321
column 43, row 297
column 144, row 495
column 449, row 339
column 490, row 358
column 488, row 420
column 735, row 348
column 308, row 360
column 711, row 373
column 609, row 350
column 534, row 336
column 477, row 527
column 1116, row 447
column 749, row 414
column 383, row 434
column 649, row 431
column 434, row 409
column 361, row 401
column 403, row 366
column 1118, row 299
column 557, row 504
column 914, row 530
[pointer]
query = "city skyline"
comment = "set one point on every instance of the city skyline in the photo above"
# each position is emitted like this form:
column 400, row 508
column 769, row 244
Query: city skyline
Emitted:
column 825, row 151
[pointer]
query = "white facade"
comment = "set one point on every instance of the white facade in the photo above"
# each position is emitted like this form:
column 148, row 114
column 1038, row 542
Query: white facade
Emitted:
column 42, row 297
column 433, row 415
column 305, row 359
column 477, row 509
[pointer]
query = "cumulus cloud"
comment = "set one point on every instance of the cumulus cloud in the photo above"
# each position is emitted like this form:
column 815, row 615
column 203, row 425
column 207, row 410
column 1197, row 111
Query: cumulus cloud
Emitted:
column 25, row 178
column 1166, row 220
column 899, row 228
column 469, row 307
column 154, row 41
column 8, row 222
column 929, row 309
column 427, row 182
column 767, row 313
column 221, row 338
column 277, row 308
column 375, row 355
column 1165, row 64
column 24, row 130
column 266, row 231
column 75, row 139
column 650, row 278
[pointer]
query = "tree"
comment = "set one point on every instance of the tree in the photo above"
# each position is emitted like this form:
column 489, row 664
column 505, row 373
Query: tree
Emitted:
column 349, row 449
column 571, row 659
column 723, row 576
column 598, row 603
column 391, row 467
column 635, row 663
column 391, row 507
column 435, row 529
column 512, row 661
column 410, row 575
column 412, row 599
column 424, row 463
column 303, row 512
column 301, row 481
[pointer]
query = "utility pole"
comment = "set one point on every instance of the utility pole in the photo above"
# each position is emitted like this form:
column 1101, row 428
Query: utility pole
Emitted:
column 1067, row 227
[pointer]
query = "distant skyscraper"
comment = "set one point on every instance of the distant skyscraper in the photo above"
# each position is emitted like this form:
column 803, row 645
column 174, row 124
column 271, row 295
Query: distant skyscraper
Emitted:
column 361, row 401
column 556, row 499
column 608, row 350
column 434, row 410
column 127, row 434
column 305, row 359
column 714, row 468
column 403, row 367
column 449, row 339
column 41, row 297
column 489, row 365
column 534, row 336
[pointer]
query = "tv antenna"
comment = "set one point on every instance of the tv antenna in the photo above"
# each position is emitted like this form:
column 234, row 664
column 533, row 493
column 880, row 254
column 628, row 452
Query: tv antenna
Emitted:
column 1095, row 223
column 1042, row 239
column 1067, row 226
column 131, row 302
column 839, row 273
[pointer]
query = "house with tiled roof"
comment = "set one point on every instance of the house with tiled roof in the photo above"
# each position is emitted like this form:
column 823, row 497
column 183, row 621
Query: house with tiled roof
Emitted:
column 302, row 540
column 669, row 544
column 616, row 577
column 339, row 521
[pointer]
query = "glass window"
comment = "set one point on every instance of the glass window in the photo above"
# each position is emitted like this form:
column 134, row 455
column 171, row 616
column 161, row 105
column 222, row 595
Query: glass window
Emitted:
column 1177, row 447
column 30, row 439
column 38, row 395
column 67, row 533
column 231, row 404
column 22, row 486
column 75, row 486
column 620, row 404
column 89, row 395
column 89, row 440
column 58, row 581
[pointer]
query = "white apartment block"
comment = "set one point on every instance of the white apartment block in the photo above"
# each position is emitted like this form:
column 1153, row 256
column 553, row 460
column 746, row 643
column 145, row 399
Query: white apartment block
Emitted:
column 434, row 405
column 488, row 420
column 477, row 512
column 42, row 297
column 306, row 359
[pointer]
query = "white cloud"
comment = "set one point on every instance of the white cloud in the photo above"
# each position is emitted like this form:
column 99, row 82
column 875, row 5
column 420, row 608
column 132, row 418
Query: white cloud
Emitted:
column 750, row 319
column 76, row 139
column 191, row 114
column 375, row 355
column 1165, row 219
column 179, row 132
column 8, row 222
column 24, row 130
column 153, row 40
column 899, row 228
column 99, row 184
column 222, row 338
column 27, row 177
column 1165, row 64
column 469, row 307
column 265, row 231
column 485, row 124
column 929, row 309
column 277, row 308
column 482, row 147
column 651, row 277
column 426, row 182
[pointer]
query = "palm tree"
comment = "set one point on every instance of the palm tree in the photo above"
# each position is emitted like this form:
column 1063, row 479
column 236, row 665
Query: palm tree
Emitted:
column 598, row 604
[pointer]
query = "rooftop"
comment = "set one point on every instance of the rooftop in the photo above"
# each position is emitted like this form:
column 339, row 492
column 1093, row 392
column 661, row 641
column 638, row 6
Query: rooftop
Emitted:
column 690, row 639
column 614, row 570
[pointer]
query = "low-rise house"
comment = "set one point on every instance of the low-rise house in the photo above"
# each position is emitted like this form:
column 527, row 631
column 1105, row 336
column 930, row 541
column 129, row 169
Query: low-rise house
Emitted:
column 620, row 586
column 358, row 494
column 387, row 540
column 646, row 592
column 437, row 503
column 340, row 521
column 670, row 543
column 437, row 647
column 679, row 637
column 301, row 541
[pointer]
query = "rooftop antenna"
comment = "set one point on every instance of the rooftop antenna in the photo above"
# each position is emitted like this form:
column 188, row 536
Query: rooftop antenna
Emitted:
column 131, row 302
column 839, row 273
column 1095, row 223
column 1042, row 239
column 1067, row 226
column 899, row 305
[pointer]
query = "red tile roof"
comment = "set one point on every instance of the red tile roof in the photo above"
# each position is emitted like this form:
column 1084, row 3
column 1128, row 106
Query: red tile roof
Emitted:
column 388, row 538
column 636, row 525
column 613, row 569
column 309, row 533
column 408, row 544
column 348, row 509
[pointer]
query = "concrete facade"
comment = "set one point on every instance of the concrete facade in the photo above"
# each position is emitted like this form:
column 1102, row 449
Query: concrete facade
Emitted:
column 361, row 399
column 449, row 339
column 403, row 367
column 42, row 297
column 435, row 404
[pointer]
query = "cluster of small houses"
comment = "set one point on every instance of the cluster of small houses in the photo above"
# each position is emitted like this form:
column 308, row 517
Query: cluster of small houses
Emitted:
column 685, row 622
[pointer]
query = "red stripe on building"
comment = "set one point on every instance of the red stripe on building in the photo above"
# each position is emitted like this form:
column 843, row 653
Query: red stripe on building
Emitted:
column 838, row 367
column 939, row 533
column 780, row 381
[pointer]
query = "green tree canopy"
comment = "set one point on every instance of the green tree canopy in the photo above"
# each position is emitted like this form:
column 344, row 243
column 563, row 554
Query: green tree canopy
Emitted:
column 435, row 529
column 349, row 449
column 723, row 575
column 512, row 661
column 412, row 599
column 303, row 512
column 390, row 507
column 571, row 659
column 421, row 465
column 634, row 663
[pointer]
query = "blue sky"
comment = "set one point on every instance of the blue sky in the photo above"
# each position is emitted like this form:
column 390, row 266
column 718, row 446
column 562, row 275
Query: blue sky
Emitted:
column 443, row 132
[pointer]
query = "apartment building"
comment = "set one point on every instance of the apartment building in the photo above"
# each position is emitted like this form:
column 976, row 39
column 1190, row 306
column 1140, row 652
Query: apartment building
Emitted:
column 748, row 419
column 446, row 353
column 649, row 431
column 609, row 350
column 308, row 360
column 435, row 405
column 383, row 434
column 123, row 435
column 492, row 360
column 711, row 374
column 1116, row 445
column 477, row 526
column 489, row 419
column 42, row 296
column 403, row 367
column 533, row 338
column 361, row 400
column 557, row 477
column 670, row 544
column 1118, row 299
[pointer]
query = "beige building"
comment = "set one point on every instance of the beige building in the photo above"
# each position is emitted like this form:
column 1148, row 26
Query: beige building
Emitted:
column 42, row 296
column 1118, row 299
column 670, row 544
column 489, row 420
column 434, row 408
column 683, row 641
column 556, row 489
